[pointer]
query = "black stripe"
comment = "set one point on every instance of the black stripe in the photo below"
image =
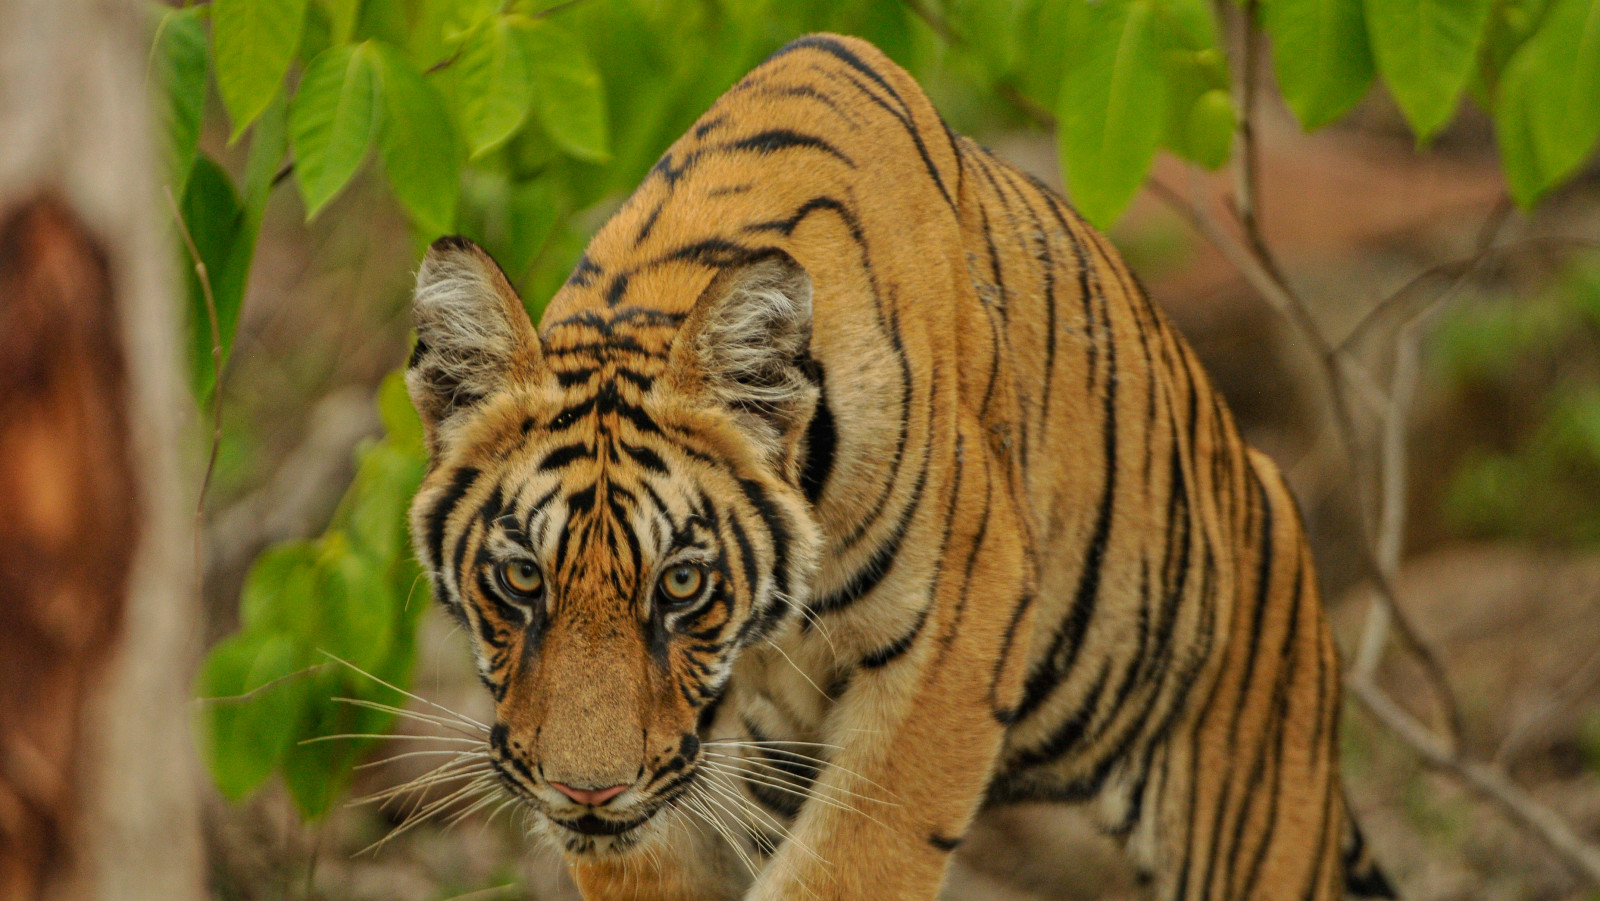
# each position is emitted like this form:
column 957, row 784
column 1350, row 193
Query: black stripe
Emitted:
column 645, row 457
column 460, row 483
column 583, row 274
column 649, row 223
column 776, row 139
column 890, row 652
column 564, row 456
column 867, row 577
column 903, row 115
column 619, row 286
column 822, row 442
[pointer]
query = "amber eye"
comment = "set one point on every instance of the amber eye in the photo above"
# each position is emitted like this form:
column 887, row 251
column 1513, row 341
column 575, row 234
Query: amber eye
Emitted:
column 521, row 578
column 682, row 583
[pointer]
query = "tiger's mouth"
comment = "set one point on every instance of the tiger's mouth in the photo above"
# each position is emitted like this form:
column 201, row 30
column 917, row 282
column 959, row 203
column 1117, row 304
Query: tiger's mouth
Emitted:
column 592, row 825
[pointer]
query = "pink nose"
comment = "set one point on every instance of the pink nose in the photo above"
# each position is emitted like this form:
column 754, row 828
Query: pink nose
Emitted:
column 594, row 797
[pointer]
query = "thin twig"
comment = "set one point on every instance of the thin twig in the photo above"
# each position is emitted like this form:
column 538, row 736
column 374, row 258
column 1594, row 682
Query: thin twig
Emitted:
column 1248, row 170
column 1488, row 782
column 216, row 386
column 1568, row 691
column 239, row 699
column 1392, row 514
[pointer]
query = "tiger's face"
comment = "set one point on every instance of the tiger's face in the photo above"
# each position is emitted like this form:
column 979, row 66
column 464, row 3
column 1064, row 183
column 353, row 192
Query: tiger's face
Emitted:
column 612, row 513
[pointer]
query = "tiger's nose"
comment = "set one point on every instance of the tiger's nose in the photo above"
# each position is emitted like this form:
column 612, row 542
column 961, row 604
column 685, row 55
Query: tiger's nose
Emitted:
column 593, row 797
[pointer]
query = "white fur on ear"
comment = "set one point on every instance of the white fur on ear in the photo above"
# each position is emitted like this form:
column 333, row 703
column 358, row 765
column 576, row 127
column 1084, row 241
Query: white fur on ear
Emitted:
column 472, row 331
column 747, row 342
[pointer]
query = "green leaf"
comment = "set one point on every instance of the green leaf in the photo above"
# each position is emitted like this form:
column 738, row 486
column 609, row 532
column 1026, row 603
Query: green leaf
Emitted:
column 494, row 83
column 418, row 144
column 268, row 144
column 247, row 736
column 342, row 15
column 384, row 483
column 1046, row 52
column 1320, row 55
column 1547, row 112
column 1208, row 131
column 1111, row 105
column 215, row 219
column 180, row 71
column 315, row 771
column 280, row 590
column 360, row 612
column 991, row 27
column 253, row 42
column 569, row 98
column 1426, row 50
column 1199, row 111
column 399, row 417
column 331, row 122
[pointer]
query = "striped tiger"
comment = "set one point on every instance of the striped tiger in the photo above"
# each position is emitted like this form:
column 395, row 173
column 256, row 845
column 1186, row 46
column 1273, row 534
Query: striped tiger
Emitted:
column 850, row 486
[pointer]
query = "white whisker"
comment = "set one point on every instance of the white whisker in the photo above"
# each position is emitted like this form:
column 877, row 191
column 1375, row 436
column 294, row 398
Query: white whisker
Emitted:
column 467, row 720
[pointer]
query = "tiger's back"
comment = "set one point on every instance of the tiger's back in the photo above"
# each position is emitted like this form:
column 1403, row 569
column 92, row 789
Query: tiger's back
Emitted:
column 1049, row 569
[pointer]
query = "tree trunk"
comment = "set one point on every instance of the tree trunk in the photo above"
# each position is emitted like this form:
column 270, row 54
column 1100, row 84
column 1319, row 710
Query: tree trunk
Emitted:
column 98, row 783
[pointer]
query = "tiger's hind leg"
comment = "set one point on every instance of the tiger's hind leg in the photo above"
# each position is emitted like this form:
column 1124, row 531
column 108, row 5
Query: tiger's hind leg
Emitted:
column 1247, row 793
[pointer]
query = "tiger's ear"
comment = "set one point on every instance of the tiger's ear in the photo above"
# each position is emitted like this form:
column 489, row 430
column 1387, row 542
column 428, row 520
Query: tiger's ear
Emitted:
column 746, row 343
column 473, row 336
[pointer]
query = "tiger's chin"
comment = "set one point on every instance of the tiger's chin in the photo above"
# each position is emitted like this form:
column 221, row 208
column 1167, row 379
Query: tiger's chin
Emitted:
column 593, row 838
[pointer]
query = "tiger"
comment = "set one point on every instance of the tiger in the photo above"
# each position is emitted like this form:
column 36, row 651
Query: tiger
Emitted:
column 849, row 487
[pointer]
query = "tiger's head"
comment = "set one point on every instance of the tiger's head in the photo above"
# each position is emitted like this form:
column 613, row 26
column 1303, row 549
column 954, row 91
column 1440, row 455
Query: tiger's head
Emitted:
column 613, row 512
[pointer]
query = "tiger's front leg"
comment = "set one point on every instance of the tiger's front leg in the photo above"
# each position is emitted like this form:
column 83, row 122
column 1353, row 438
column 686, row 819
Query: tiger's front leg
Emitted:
column 919, row 729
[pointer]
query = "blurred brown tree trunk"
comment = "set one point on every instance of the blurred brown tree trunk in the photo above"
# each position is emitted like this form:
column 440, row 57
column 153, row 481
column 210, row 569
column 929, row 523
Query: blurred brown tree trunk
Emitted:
column 98, row 785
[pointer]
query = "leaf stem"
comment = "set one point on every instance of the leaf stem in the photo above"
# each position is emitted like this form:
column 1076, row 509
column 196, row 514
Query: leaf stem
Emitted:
column 216, row 385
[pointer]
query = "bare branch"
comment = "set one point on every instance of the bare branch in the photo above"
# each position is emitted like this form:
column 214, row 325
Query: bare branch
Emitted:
column 265, row 686
column 1488, row 782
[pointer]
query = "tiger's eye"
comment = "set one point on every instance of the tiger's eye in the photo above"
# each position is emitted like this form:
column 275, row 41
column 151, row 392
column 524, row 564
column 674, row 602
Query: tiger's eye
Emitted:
column 682, row 582
column 521, row 578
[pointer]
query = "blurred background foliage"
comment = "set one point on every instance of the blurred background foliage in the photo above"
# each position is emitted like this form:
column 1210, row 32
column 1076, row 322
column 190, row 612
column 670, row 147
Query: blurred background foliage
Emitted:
column 522, row 125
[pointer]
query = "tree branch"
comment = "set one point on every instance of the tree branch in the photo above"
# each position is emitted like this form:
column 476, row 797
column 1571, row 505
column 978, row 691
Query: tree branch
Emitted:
column 216, row 386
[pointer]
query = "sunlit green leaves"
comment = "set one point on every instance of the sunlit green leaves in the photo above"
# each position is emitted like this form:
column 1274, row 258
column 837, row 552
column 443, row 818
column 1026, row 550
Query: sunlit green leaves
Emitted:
column 355, row 594
column 178, row 76
column 1112, row 105
column 331, row 121
column 1320, row 55
column 1208, row 128
column 1547, row 112
column 418, row 144
column 341, row 18
column 568, row 97
column 1426, row 50
column 255, row 707
column 253, row 42
column 495, row 84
